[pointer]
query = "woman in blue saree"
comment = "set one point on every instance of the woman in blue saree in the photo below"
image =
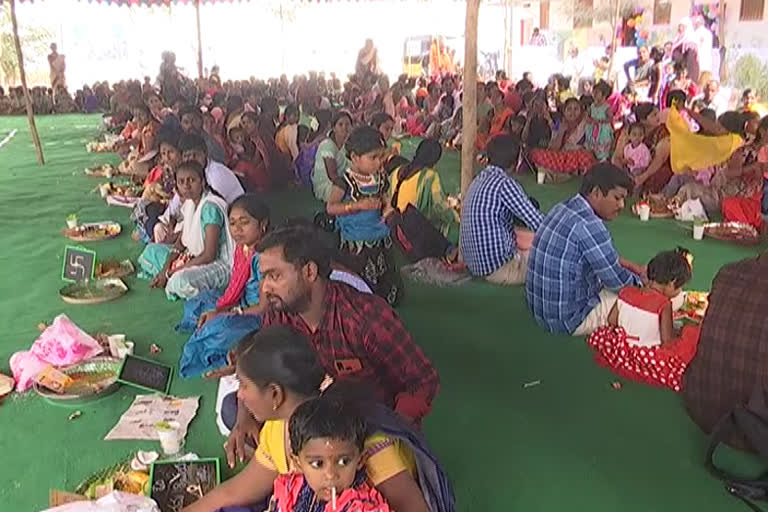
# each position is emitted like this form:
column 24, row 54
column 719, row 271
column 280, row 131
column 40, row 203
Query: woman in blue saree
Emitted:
column 219, row 320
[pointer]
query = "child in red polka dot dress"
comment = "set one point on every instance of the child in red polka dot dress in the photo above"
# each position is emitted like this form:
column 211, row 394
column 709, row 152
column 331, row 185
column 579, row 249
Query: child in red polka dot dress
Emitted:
column 640, row 342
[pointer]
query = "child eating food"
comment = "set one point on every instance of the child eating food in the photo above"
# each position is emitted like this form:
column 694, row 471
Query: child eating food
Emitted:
column 640, row 342
column 327, row 439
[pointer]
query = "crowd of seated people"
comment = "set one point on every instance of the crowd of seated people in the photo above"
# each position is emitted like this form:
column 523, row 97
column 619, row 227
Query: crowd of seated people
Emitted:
column 207, row 151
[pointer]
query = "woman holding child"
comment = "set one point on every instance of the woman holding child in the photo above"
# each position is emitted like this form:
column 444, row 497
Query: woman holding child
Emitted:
column 279, row 378
column 200, row 258
column 659, row 171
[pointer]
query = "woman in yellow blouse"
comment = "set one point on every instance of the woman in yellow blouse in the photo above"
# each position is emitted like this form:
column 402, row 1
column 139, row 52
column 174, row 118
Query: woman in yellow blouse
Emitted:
column 418, row 184
column 278, row 371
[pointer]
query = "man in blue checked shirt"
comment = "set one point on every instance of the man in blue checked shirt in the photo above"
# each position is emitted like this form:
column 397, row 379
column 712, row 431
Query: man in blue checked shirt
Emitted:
column 493, row 202
column 574, row 271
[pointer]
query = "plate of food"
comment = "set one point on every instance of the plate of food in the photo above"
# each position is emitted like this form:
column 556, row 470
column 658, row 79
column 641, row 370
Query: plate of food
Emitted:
column 88, row 379
column 125, row 190
column 118, row 477
column 93, row 232
column 114, row 268
column 661, row 208
column 735, row 232
column 93, row 292
column 101, row 171
column 694, row 307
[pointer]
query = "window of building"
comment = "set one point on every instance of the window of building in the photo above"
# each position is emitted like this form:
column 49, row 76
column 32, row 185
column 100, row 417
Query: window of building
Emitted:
column 662, row 12
column 582, row 18
column 751, row 10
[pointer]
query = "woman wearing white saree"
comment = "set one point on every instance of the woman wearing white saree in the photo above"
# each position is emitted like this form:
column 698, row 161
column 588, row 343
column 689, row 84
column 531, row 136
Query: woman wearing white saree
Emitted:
column 201, row 258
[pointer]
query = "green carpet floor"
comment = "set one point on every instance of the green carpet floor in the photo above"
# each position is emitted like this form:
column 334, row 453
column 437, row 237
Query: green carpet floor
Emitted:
column 570, row 443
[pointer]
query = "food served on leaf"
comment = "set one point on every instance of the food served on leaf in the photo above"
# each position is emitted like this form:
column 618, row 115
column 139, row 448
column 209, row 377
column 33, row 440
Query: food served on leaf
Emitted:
column 736, row 232
column 93, row 231
column 119, row 477
column 101, row 171
column 694, row 307
column 661, row 207
column 93, row 292
column 114, row 268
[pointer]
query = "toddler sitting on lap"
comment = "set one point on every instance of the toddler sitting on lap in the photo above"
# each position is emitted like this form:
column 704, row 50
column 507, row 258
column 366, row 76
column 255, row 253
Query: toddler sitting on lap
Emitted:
column 327, row 438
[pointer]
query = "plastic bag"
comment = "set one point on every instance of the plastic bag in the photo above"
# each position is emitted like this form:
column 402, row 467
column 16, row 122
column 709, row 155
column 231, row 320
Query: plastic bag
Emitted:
column 115, row 501
column 62, row 343
column 691, row 210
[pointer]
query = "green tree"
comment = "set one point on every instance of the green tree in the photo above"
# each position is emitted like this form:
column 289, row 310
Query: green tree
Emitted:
column 34, row 42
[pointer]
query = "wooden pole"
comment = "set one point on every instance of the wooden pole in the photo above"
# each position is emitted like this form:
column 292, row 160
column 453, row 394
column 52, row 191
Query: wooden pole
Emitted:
column 614, row 27
column 507, row 22
column 199, row 41
column 469, row 101
column 721, row 18
column 27, row 98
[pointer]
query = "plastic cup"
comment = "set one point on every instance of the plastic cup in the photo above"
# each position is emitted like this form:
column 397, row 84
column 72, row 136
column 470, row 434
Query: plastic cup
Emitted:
column 644, row 211
column 104, row 189
column 540, row 176
column 116, row 342
column 71, row 223
column 169, row 434
column 125, row 349
column 698, row 231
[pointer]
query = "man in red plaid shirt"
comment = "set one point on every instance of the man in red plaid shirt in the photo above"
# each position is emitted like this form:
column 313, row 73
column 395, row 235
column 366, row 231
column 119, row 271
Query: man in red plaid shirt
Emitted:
column 358, row 337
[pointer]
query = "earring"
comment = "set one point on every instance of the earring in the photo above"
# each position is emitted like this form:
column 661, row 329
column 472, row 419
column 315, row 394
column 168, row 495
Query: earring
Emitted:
column 274, row 407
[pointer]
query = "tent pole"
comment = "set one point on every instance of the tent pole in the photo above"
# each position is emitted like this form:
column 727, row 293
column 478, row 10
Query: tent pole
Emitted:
column 199, row 41
column 469, row 101
column 27, row 98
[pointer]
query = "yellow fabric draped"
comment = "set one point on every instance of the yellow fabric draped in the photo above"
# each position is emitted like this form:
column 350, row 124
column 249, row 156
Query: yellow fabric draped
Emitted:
column 693, row 152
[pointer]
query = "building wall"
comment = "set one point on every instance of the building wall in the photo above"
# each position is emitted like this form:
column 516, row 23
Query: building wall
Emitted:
column 747, row 34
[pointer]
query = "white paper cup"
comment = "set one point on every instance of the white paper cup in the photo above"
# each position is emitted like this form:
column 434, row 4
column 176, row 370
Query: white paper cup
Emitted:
column 540, row 176
column 644, row 211
column 698, row 231
column 170, row 438
column 104, row 189
column 71, row 223
column 116, row 342
column 124, row 349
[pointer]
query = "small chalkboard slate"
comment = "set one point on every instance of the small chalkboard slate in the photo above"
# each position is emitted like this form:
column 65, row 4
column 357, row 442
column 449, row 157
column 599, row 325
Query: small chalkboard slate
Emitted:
column 145, row 374
column 177, row 484
column 79, row 264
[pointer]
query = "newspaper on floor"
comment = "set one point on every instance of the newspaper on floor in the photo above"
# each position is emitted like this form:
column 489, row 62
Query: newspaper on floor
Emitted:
column 139, row 421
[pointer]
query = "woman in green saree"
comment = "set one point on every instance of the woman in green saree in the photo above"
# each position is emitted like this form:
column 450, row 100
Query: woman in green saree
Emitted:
column 418, row 184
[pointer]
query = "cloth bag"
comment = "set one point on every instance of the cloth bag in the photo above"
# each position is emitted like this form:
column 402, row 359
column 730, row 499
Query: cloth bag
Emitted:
column 414, row 234
column 745, row 424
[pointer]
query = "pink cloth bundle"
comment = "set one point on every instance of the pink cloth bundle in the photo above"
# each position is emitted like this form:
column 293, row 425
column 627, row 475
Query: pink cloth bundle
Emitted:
column 61, row 344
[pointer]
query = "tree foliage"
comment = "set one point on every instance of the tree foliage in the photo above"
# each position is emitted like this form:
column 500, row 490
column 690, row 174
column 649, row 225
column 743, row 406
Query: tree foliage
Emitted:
column 34, row 43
